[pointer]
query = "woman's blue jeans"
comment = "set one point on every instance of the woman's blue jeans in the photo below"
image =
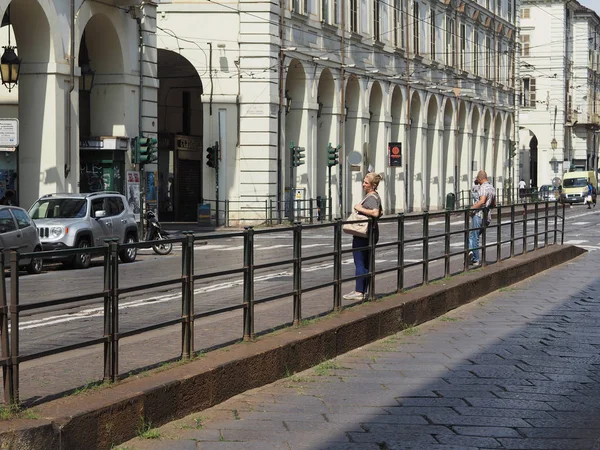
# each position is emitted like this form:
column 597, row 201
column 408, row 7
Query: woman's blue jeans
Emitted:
column 476, row 223
column 361, row 262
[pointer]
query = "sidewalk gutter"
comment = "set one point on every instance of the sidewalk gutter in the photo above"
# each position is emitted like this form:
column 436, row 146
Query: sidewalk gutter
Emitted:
column 106, row 417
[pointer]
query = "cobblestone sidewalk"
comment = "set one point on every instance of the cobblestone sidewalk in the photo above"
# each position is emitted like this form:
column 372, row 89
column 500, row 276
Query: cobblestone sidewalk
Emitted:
column 518, row 369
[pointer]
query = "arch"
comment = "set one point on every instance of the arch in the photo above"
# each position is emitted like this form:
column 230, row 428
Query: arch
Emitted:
column 325, row 120
column 464, row 154
column 36, row 26
column 431, row 177
column 474, row 159
column 448, row 157
column 373, row 151
column 498, row 145
column 486, row 143
column 103, row 44
column 178, row 78
column 415, row 166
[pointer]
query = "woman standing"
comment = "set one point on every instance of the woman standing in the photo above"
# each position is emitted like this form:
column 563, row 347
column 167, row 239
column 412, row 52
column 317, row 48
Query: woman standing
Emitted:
column 370, row 207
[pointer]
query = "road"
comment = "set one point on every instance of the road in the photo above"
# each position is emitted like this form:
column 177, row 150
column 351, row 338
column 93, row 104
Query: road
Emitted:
column 41, row 331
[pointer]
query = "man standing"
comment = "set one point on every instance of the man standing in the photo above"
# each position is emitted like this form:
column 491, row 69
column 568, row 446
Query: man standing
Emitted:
column 522, row 188
column 480, row 212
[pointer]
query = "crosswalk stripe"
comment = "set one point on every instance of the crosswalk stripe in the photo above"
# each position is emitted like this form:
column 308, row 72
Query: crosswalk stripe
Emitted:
column 271, row 247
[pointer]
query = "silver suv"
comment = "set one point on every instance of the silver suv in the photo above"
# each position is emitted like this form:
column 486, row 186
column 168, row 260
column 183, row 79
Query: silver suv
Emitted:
column 84, row 220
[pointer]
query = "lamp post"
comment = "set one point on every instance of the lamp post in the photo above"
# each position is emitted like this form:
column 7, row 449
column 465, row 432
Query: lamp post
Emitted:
column 87, row 77
column 553, row 161
column 10, row 64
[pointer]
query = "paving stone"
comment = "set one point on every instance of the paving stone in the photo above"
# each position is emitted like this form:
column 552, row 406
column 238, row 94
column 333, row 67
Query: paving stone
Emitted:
column 486, row 431
column 256, row 445
column 160, row 444
column 373, row 419
column 508, row 404
column 469, row 441
column 476, row 420
column 546, row 444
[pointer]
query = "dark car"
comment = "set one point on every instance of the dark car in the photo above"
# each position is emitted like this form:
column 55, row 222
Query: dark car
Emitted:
column 17, row 230
column 548, row 193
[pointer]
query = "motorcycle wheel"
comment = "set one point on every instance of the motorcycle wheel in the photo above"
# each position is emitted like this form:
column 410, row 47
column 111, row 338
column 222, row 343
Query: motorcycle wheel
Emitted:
column 160, row 248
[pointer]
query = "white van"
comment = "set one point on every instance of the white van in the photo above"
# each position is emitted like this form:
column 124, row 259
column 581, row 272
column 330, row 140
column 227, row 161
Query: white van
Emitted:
column 574, row 186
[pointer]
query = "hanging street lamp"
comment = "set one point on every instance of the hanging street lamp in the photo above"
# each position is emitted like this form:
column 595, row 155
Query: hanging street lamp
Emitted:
column 10, row 64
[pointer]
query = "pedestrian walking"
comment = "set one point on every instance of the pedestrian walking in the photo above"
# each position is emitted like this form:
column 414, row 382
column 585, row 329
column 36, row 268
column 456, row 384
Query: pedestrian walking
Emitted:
column 479, row 212
column 522, row 188
column 370, row 207
column 473, row 237
column 591, row 195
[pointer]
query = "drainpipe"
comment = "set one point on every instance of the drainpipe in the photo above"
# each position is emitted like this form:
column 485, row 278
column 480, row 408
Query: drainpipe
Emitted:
column 140, row 32
column 280, row 113
column 68, row 143
column 138, row 19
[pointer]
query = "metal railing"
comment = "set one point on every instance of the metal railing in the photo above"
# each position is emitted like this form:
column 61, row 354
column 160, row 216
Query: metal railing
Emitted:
column 543, row 217
column 270, row 212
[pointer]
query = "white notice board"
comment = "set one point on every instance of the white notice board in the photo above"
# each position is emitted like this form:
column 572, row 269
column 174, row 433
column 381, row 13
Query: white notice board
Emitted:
column 9, row 133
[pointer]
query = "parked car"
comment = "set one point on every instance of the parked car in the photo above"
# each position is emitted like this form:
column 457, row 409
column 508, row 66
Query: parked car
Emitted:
column 548, row 193
column 84, row 220
column 17, row 230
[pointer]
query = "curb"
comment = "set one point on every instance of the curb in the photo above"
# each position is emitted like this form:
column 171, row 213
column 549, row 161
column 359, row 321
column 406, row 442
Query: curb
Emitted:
column 101, row 419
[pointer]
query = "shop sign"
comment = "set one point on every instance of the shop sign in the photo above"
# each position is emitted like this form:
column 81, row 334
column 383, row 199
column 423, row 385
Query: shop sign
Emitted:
column 188, row 143
column 395, row 154
column 104, row 143
column 9, row 134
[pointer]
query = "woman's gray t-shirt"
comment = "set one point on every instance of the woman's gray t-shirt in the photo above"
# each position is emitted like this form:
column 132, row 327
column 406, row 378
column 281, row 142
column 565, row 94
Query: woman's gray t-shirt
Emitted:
column 373, row 201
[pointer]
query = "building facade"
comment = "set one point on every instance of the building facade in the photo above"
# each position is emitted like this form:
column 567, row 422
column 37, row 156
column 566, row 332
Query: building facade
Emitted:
column 559, row 89
column 74, row 137
column 436, row 77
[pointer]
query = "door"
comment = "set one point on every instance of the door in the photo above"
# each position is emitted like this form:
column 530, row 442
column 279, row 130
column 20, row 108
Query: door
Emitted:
column 10, row 235
column 29, row 232
column 116, row 210
column 102, row 227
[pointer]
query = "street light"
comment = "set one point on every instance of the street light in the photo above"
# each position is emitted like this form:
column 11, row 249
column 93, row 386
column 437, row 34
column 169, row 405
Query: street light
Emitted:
column 554, row 144
column 10, row 63
column 553, row 161
column 87, row 77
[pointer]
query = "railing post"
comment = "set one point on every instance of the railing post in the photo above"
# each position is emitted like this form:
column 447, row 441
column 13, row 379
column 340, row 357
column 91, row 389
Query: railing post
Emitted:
column 425, row 247
column 337, row 265
column 555, row 221
column 546, row 225
column 14, row 323
column 524, row 228
column 114, row 297
column 248, row 283
column 499, row 234
column 187, row 297
column 400, row 273
column 371, row 236
column 467, row 228
column 330, row 209
column 512, row 230
column 297, row 273
column 107, row 314
column 446, row 244
column 535, row 226
column 5, row 342
column 484, row 237
column 562, row 231
column 310, row 207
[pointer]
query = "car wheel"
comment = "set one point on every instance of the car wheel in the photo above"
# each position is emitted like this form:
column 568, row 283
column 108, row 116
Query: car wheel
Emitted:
column 128, row 255
column 36, row 264
column 82, row 260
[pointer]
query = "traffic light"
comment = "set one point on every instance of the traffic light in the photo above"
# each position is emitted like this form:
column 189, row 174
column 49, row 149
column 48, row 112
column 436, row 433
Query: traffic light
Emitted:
column 333, row 154
column 152, row 150
column 297, row 156
column 512, row 148
column 143, row 149
column 211, row 160
column 134, row 150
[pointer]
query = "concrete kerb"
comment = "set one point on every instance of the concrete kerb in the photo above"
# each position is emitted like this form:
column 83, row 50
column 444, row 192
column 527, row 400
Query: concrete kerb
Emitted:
column 101, row 419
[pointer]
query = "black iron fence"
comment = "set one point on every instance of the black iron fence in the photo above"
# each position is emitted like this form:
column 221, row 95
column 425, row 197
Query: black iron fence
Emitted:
column 507, row 236
column 270, row 212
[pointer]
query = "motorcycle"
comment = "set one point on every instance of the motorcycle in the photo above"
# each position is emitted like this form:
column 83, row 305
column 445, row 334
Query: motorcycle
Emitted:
column 156, row 233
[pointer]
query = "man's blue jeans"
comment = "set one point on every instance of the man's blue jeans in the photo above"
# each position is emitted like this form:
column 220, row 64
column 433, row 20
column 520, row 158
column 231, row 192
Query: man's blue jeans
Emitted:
column 361, row 261
column 476, row 223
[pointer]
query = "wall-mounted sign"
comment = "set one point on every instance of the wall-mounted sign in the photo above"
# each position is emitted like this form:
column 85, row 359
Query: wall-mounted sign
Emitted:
column 395, row 154
column 104, row 143
column 189, row 143
column 9, row 133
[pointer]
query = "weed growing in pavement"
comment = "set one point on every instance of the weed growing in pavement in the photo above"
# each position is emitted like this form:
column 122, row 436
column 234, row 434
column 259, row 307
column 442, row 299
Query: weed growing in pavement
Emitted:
column 236, row 414
column 92, row 386
column 326, row 368
column 508, row 289
column 410, row 331
column 145, row 430
column 449, row 319
column 8, row 412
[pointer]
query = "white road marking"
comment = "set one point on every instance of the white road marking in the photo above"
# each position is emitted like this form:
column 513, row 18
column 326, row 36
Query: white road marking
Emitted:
column 272, row 247
column 579, row 223
column 237, row 247
column 315, row 245
column 576, row 241
column 212, row 246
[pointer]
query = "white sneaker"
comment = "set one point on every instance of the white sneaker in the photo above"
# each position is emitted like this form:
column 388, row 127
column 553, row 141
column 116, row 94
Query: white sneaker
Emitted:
column 354, row 296
column 471, row 257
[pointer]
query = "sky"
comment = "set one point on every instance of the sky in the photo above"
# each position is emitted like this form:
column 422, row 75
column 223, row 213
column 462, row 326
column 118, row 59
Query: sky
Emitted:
column 592, row 4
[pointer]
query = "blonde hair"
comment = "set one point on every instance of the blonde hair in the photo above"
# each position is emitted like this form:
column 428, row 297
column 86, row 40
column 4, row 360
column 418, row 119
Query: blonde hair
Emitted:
column 373, row 179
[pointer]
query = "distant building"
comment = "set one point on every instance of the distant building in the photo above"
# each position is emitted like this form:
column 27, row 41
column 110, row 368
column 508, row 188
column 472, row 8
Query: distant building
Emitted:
column 77, row 98
column 559, row 89
column 436, row 77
